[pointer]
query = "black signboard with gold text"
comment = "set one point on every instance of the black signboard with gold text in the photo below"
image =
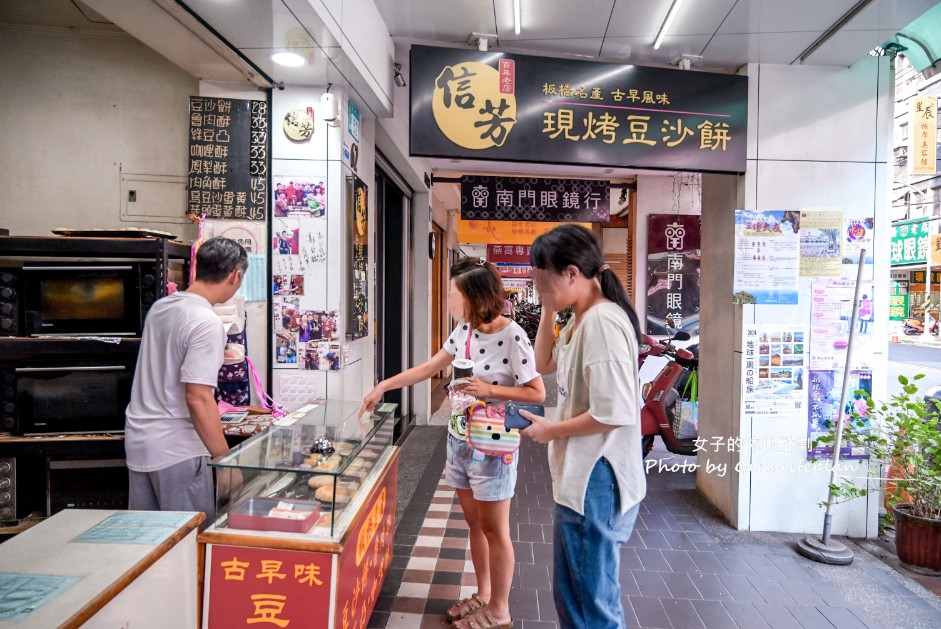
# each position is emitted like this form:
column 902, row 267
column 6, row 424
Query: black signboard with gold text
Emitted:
column 492, row 105
column 486, row 198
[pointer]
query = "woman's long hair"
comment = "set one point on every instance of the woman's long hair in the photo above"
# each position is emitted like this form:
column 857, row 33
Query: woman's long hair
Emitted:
column 576, row 246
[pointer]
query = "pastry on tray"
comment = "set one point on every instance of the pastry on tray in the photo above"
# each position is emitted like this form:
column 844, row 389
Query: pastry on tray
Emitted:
column 320, row 480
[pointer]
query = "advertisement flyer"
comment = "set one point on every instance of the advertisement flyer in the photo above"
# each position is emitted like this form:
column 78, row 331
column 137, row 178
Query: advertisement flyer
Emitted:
column 766, row 257
column 821, row 240
column 774, row 366
column 831, row 310
column 826, row 388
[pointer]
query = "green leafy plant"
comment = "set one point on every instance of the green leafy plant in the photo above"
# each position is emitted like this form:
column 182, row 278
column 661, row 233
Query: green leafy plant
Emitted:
column 902, row 438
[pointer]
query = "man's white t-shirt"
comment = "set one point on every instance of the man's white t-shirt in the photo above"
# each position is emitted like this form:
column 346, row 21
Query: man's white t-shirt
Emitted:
column 183, row 343
column 597, row 372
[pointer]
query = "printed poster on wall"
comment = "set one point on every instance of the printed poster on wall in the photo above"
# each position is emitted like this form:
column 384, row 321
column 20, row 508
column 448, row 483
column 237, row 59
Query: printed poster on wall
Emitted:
column 774, row 370
column 359, row 230
column 826, row 388
column 831, row 312
column 857, row 235
column 821, row 239
column 766, row 257
column 673, row 273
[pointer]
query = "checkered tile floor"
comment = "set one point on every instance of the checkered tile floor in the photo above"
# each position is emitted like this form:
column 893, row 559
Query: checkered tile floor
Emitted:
column 674, row 573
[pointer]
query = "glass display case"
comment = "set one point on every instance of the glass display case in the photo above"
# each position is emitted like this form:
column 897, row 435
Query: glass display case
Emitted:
column 308, row 478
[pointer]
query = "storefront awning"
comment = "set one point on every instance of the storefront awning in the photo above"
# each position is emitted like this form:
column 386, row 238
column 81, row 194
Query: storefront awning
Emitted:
column 920, row 42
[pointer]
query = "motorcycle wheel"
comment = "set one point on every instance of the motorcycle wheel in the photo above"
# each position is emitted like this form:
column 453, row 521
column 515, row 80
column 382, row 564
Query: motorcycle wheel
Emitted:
column 647, row 445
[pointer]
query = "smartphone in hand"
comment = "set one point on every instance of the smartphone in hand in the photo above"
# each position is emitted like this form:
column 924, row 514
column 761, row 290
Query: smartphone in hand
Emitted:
column 513, row 418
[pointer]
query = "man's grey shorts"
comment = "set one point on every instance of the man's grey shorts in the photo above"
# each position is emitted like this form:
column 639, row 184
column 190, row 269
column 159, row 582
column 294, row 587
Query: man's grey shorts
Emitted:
column 184, row 486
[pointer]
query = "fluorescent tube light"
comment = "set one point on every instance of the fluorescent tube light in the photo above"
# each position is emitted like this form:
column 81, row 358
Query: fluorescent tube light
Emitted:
column 516, row 15
column 674, row 9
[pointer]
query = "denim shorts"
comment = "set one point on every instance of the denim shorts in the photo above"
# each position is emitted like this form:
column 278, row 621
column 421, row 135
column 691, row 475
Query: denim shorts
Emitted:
column 490, row 480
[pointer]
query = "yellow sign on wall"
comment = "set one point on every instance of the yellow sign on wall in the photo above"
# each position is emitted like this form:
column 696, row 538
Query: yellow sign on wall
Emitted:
column 504, row 232
column 924, row 133
column 935, row 249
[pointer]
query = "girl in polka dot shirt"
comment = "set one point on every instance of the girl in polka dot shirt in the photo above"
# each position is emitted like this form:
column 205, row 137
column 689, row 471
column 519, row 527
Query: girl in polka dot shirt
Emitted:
column 504, row 369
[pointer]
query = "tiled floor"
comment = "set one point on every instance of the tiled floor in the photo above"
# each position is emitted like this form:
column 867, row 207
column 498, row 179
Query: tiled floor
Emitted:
column 674, row 572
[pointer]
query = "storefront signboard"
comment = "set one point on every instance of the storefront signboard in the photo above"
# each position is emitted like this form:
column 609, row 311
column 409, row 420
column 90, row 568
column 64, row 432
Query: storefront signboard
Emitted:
column 924, row 136
column 228, row 166
column 898, row 300
column 508, row 254
column 515, row 270
column 359, row 290
column 366, row 556
column 504, row 232
column 494, row 105
column 673, row 253
column 909, row 242
column 534, row 199
column 277, row 588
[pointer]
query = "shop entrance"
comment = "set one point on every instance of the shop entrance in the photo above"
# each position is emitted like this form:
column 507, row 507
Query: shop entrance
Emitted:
column 393, row 270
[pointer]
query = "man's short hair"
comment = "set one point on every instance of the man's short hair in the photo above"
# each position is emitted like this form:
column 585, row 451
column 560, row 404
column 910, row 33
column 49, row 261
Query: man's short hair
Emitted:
column 217, row 258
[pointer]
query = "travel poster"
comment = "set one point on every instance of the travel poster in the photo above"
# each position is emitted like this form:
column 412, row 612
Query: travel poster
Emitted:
column 831, row 311
column 774, row 368
column 821, row 239
column 825, row 389
column 766, row 257
column 857, row 235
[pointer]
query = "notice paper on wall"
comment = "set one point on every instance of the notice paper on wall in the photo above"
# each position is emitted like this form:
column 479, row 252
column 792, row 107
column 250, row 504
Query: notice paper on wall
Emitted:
column 298, row 389
column 255, row 283
column 766, row 257
column 774, row 369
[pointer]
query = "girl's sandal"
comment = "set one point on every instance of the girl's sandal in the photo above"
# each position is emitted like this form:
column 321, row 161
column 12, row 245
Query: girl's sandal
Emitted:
column 481, row 619
column 463, row 608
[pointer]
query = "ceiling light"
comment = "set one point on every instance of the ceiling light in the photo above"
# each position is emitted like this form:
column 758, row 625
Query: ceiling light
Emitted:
column 674, row 8
column 289, row 59
column 516, row 15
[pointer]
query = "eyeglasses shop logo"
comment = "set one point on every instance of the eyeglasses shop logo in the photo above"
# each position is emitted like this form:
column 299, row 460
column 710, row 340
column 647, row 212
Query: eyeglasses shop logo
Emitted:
column 474, row 104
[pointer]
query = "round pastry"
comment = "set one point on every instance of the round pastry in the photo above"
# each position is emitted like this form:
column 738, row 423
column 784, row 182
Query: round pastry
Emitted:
column 343, row 447
column 321, row 480
column 326, row 519
column 327, row 494
column 330, row 464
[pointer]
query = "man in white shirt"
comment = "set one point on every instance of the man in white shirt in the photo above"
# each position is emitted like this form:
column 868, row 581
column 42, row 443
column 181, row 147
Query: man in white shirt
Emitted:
column 173, row 425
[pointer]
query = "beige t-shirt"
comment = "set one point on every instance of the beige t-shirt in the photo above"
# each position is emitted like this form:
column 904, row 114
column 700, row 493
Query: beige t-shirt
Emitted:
column 597, row 372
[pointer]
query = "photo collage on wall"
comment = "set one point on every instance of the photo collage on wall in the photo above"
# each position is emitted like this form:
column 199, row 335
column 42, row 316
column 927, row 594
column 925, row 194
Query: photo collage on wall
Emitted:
column 306, row 331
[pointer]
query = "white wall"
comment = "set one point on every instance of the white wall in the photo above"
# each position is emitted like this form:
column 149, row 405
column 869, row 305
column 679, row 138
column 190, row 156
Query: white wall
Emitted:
column 816, row 140
column 78, row 110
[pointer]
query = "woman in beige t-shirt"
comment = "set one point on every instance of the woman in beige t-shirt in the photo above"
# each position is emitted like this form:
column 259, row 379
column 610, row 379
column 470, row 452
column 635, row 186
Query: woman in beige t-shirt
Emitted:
column 595, row 446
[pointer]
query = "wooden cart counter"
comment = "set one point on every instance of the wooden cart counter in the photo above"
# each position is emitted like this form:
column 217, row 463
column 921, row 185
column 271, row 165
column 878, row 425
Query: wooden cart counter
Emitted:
column 102, row 569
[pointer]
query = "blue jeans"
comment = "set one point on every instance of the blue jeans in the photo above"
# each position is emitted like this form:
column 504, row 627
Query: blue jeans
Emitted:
column 587, row 555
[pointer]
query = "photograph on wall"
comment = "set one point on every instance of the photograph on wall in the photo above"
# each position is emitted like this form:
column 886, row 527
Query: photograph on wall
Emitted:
column 286, row 318
column 285, row 237
column 288, row 284
column 331, row 356
column 673, row 254
column 825, row 389
column 766, row 257
column 774, row 369
column 821, row 237
column 831, row 312
column 359, row 230
column 285, row 350
column 314, row 325
column 300, row 197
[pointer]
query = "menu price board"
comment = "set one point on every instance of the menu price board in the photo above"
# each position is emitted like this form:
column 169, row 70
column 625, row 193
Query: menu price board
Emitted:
column 228, row 148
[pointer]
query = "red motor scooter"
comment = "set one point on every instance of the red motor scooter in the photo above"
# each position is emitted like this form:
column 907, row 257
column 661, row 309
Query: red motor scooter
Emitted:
column 658, row 415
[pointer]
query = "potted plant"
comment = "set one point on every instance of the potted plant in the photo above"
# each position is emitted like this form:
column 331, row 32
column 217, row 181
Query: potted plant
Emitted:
column 902, row 436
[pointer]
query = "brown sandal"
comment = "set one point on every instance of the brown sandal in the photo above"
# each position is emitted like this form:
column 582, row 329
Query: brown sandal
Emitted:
column 464, row 608
column 481, row 619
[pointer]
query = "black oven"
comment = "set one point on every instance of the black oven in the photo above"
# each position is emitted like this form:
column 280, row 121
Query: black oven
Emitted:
column 72, row 392
column 109, row 298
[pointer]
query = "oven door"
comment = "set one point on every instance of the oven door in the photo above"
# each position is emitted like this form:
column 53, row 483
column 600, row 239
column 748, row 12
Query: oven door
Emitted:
column 80, row 397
